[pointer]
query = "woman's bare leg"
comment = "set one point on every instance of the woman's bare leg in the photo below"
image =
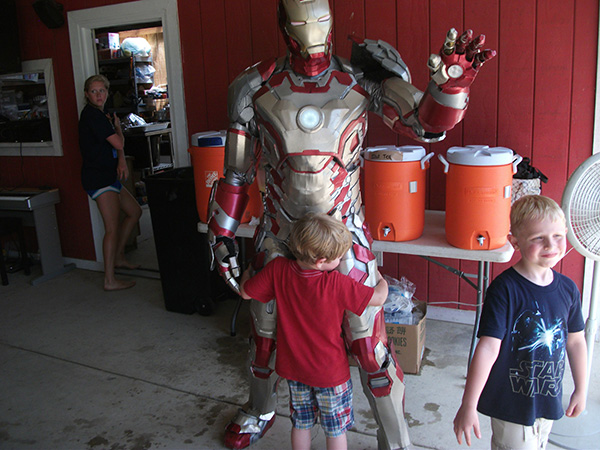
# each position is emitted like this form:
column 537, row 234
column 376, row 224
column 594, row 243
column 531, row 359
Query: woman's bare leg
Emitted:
column 108, row 204
column 133, row 212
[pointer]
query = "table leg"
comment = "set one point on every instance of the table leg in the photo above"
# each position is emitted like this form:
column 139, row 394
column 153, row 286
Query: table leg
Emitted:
column 149, row 140
column 46, row 229
column 483, row 273
column 171, row 148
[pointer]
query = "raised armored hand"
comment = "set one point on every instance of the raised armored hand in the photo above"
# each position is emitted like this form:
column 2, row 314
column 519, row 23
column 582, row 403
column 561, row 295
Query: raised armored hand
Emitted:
column 459, row 61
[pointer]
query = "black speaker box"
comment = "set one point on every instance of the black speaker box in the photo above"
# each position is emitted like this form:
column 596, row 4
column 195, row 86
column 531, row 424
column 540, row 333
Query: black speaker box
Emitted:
column 50, row 12
column 188, row 284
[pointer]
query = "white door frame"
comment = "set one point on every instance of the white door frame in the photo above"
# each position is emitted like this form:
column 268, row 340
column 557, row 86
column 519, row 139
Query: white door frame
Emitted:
column 82, row 24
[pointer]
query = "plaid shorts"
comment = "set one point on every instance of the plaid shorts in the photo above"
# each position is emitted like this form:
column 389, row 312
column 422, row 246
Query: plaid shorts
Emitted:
column 333, row 405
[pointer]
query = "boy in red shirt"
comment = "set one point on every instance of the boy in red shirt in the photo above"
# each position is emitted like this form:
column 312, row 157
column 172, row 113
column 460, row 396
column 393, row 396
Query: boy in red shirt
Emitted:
column 311, row 298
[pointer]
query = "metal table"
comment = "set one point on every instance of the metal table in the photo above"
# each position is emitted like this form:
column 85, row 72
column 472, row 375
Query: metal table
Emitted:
column 432, row 244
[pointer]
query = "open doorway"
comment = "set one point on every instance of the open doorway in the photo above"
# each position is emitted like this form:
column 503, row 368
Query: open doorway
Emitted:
column 133, row 59
column 83, row 27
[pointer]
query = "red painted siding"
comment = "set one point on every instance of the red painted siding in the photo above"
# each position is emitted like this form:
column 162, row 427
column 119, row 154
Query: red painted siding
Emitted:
column 536, row 97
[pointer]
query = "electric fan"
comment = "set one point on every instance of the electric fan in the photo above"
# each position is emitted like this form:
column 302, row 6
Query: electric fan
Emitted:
column 581, row 204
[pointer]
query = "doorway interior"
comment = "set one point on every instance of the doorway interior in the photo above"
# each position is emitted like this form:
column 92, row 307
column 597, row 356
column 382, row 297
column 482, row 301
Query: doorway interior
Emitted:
column 83, row 27
column 132, row 57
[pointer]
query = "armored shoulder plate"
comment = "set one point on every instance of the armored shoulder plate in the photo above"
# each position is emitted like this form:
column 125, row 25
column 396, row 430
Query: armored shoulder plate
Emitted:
column 241, row 90
column 378, row 60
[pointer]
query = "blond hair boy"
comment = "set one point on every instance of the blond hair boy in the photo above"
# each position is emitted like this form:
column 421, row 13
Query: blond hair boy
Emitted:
column 311, row 298
column 531, row 317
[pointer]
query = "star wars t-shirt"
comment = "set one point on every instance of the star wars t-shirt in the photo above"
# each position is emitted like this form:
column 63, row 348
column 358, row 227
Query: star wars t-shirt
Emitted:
column 533, row 322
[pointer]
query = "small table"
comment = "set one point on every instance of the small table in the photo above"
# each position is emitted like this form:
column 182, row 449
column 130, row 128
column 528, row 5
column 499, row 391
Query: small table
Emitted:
column 433, row 244
column 153, row 133
column 36, row 208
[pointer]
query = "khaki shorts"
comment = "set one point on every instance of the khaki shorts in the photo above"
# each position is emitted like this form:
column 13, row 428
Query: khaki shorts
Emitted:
column 509, row 436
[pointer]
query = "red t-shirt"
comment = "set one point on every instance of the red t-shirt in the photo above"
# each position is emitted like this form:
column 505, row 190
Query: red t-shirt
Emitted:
column 310, row 311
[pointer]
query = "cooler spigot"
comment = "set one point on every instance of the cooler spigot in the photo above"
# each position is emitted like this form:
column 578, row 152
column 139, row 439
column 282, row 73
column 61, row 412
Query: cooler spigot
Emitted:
column 480, row 239
column 386, row 231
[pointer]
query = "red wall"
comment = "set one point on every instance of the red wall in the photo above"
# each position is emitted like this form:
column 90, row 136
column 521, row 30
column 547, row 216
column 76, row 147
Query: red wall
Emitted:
column 536, row 97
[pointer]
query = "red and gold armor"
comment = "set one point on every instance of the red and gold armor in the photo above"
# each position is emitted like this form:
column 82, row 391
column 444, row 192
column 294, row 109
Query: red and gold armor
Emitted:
column 302, row 120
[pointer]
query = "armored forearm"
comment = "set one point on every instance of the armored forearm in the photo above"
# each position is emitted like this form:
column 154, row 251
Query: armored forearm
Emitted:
column 226, row 208
column 405, row 109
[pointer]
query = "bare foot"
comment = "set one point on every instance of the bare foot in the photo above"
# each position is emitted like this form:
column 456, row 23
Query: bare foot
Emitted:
column 118, row 285
column 127, row 265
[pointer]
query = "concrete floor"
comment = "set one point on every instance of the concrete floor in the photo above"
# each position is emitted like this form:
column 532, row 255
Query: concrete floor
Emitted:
column 84, row 369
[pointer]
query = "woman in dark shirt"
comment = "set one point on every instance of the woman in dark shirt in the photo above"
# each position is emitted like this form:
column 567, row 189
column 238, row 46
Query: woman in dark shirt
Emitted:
column 101, row 144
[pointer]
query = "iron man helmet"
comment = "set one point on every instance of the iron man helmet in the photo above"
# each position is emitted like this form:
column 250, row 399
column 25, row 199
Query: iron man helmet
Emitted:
column 306, row 26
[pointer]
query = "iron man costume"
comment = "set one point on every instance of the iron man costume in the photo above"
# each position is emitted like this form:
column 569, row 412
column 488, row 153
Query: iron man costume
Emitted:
column 302, row 119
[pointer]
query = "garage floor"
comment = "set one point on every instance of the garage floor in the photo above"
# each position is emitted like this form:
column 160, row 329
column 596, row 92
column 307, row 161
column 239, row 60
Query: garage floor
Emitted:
column 84, row 369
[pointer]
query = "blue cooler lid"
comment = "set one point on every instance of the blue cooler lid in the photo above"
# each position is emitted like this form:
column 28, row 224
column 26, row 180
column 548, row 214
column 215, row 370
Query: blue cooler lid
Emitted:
column 480, row 155
column 209, row 139
column 391, row 153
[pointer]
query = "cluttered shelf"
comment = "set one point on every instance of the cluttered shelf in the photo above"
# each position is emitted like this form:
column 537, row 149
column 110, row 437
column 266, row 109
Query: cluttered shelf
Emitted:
column 129, row 77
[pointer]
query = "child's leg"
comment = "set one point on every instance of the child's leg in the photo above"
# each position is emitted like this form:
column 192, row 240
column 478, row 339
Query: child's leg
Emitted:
column 301, row 439
column 337, row 415
column 508, row 435
column 303, row 413
column 337, row 443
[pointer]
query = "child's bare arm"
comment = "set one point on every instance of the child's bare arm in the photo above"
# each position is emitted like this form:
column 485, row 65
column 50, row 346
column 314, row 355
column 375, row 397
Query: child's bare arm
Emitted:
column 381, row 291
column 245, row 277
column 577, row 354
column 484, row 358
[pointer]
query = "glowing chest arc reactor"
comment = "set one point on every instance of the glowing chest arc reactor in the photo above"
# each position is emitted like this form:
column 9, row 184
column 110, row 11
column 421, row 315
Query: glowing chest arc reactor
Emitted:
column 310, row 118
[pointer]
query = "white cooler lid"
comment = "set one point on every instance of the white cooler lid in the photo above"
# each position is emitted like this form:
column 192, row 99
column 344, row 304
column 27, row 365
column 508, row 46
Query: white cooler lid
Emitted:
column 479, row 155
column 391, row 153
column 209, row 139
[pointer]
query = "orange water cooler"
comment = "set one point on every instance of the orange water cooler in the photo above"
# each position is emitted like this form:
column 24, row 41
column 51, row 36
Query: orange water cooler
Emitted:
column 208, row 158
column 394, row 191
column 478, row 193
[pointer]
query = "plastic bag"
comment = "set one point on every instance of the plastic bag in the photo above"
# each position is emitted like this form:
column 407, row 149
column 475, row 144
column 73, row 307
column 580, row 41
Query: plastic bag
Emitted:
column 136, row 46
column 399, row 306
column 399, row 295
column 144, row 73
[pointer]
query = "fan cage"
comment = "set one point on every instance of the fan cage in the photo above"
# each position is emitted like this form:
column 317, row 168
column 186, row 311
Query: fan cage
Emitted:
column 583, row 208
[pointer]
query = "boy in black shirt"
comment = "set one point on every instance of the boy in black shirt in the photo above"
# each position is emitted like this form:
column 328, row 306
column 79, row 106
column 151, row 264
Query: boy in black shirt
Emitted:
column 531, row 317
